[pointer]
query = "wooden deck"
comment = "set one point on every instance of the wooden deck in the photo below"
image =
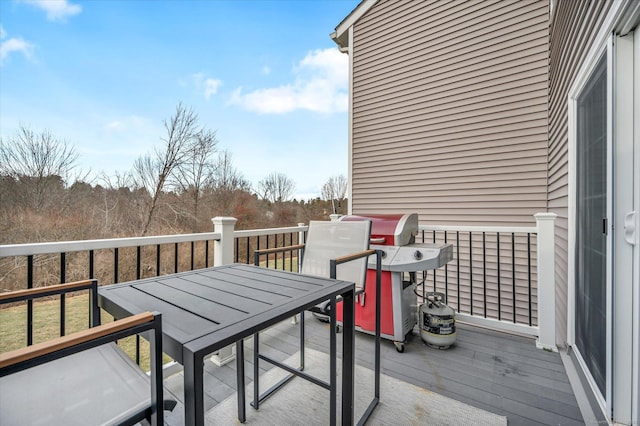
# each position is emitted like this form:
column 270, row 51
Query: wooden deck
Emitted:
column 497, row 372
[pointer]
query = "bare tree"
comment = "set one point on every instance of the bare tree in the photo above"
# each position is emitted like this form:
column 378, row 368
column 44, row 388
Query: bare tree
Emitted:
column 226, row 177
column 276, row 187
column 227, row 185
column 196, row 172
column 153, row 172
column 39, row 160
column 118, row 180
column 335, row 190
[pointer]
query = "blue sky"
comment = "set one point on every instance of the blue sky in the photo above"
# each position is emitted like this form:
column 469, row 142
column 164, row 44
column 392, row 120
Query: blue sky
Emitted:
column 104, row 74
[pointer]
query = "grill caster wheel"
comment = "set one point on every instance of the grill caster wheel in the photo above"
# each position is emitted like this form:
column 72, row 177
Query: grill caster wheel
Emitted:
column 399, row 346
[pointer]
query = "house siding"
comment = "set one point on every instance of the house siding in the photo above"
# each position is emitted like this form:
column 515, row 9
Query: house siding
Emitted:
column 573, row 28
column 449, row 120
column 450, row 111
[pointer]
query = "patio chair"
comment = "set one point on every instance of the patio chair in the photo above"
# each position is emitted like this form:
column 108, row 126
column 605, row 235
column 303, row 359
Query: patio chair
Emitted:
column 336, row 250
column 84, row 377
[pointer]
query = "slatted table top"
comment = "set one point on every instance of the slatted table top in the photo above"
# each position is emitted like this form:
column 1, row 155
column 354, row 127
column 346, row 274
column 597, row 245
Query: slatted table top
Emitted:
column 208, row 309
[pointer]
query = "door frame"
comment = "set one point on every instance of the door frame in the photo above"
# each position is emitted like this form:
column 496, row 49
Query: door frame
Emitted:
column 583, row 76
column 622, row 393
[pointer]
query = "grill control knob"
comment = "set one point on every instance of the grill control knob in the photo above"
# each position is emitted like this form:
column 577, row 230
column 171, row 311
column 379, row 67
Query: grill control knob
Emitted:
column 384, row 254
column 417, row 255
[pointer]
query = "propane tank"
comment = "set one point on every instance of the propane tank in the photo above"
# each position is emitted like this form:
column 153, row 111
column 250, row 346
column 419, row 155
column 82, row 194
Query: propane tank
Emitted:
column 437, row 321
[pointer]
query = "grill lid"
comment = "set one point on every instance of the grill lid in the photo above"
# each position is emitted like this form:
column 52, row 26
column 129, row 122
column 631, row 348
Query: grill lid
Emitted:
column 390, row 229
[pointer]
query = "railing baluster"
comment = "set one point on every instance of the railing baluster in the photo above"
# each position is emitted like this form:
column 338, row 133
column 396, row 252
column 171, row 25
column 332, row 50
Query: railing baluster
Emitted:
column 206, row 254
column 529, row 274
column 138, row 262
column 471, row 271
column 158, row 260
column 258, row 244
column 63, row 279
column 446, row 273
column 458, row 264
column 499, row 283
column 175, row 257
column 267, row 255
column 192, row 254
column 63, row 268
column 513, row 273
column 291, row 252
column 248, row 246
column 283, row 254
column 435, row 274
column 29, row 302
column 115, row 265
column 484, row 273
column 91, row 261
column 62, row 314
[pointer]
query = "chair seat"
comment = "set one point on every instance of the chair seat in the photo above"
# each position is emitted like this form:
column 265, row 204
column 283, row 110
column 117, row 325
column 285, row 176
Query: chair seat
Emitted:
column 100, row 386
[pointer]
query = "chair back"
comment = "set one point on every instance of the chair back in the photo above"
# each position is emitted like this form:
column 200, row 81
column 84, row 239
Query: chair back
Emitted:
column 330, row 240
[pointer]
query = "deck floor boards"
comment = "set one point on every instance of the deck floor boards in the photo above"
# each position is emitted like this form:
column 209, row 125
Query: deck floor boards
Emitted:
column 498, row 372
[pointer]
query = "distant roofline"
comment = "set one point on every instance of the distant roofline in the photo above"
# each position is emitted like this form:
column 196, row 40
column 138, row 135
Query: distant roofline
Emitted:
column 341, row 35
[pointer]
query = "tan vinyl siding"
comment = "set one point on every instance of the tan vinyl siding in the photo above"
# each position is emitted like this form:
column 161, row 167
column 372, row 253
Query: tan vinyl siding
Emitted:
column 449, row 120
column 450, row 111
column 574, row 27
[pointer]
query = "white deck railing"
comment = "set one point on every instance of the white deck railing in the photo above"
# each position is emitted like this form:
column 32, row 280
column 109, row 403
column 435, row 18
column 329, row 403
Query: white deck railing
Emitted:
column 540, row 283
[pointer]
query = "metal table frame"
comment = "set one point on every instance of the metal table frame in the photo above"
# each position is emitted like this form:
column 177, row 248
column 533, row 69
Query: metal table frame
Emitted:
column 217, row 331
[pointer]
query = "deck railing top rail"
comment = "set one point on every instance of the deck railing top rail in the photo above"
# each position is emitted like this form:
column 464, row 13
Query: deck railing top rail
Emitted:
column 269, row 231
column 82, row 245
column 501, row 229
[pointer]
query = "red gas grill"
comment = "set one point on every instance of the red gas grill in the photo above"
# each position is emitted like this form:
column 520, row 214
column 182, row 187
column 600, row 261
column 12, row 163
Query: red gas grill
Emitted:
column 394, row 234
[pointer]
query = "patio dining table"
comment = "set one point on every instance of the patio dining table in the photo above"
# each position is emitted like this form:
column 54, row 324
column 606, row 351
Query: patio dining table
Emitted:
column 205, row 310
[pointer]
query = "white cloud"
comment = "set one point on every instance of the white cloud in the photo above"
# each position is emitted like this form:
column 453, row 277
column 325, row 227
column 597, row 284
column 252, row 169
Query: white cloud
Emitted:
column 209, row 86
column 113, row 125
column 320, row 85
column 7, row 46
column 56, row 10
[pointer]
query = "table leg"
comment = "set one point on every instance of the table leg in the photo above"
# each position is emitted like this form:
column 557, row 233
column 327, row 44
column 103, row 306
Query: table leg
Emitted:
column 333, row 386
column 348, row 356
column 242, row 415
column 256, row 371
column 193, row 389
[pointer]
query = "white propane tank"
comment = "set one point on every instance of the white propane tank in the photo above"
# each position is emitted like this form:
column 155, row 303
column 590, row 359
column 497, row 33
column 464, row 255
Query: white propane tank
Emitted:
column 437, row 321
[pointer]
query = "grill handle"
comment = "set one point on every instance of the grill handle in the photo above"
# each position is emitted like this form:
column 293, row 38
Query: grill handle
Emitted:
column 377, row 240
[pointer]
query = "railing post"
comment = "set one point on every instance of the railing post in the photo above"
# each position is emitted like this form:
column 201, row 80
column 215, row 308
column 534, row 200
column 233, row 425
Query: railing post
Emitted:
column 546, row 281
column 223, row 255
column 223, row 248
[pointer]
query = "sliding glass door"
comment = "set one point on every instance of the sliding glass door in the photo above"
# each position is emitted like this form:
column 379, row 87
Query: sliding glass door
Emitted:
column 591, row 224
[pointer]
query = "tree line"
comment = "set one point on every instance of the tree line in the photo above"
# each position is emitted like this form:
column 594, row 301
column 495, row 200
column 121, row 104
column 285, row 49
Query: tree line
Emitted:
column 176, row 188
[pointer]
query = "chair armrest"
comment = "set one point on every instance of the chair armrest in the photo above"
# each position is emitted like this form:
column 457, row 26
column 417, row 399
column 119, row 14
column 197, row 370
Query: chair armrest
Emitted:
column 354, row 256
column 258, row 253
column 333, row 264
column 22, row 355
column 59, row 289
column 34, row 293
